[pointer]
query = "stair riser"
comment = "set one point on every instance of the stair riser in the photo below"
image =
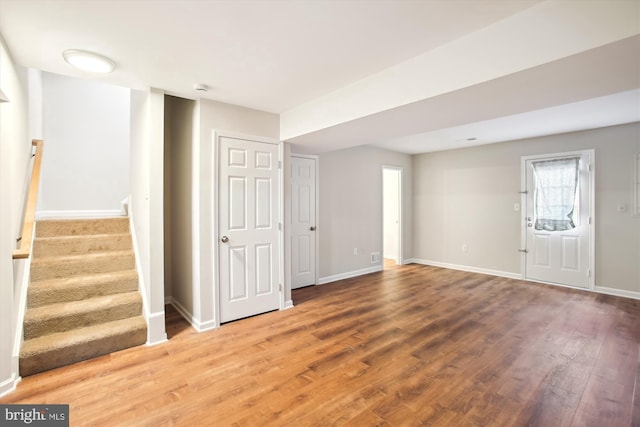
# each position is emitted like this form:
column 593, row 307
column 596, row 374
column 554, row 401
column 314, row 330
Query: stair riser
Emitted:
column 55, row 228
column 56, row 357
column 53, row 270
column 38, row 327
column 45, row 247
column 40, row 297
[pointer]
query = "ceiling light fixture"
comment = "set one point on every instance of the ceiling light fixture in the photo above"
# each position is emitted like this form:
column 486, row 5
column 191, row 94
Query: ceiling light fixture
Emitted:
column 200, row 87
column 88, row 61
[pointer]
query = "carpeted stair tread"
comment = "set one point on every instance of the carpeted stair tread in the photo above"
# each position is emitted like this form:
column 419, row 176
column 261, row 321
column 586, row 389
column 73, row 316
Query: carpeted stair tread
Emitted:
column 77, row 288
column 83, row 299
column 71, row 227
column 44, row 247
column 71, row 265
column 65, row 316
column 63, row 348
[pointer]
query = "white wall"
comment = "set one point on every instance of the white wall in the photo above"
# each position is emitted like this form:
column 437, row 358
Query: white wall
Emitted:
column 351, row 209
column 146, row 203
column 85, row 167
column 213, row 116
column 15, row 149
column 466, row 196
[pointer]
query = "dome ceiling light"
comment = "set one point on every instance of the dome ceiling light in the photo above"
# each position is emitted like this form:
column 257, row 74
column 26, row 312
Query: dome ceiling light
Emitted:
column 88, row 61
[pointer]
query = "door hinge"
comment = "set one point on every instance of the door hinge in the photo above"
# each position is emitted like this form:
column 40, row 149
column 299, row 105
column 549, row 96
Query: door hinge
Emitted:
column 589, row 167
column 523, row 192
column 523, row 250
column 279, row 226
column 280, row 286
column 588, row 273
column 279, row 164
column 589, row 220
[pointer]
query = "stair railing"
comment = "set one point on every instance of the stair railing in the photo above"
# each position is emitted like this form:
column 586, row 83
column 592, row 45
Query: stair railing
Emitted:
column 24, row 250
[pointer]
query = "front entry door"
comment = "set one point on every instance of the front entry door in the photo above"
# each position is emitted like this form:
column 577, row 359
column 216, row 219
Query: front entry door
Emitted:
column 249, row 242
column 558, row 219
column 303, row 222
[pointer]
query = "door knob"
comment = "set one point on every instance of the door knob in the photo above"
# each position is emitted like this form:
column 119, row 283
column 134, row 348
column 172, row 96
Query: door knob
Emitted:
column 312, row 228
column 224, row 239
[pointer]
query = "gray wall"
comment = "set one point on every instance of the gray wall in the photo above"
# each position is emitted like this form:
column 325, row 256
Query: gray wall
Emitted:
column 351, row 207
column 467, row 196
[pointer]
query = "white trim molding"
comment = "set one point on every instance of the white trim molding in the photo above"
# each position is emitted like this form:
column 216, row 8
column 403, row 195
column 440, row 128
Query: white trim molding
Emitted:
column 470, row 269
column 193, row 321
column 617, row 292
column 598, row 289
column 349, row 274
column 155, row 321
column 9, row 384
column 81, row 214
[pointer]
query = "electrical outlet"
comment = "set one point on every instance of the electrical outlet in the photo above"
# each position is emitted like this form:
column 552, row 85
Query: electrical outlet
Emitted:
column 375, row 257
column 355, row 251
column 465, row 248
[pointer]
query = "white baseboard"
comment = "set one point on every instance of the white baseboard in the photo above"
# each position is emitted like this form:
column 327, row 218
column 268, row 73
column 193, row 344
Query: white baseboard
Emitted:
column 195, row 323
column 9, row 385
column 518, row 276
column 156, row 328
column 288, row 304
column 79, row 214
column 617, row 292
column 349, row 274
column 470, row 269
column 22, row 269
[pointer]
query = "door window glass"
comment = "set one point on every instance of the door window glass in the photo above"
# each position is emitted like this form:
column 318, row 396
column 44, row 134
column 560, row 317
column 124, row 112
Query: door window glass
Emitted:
column 556, row 194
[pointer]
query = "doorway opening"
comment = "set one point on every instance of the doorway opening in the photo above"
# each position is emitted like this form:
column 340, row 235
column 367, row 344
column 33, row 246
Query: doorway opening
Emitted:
column 392, row 215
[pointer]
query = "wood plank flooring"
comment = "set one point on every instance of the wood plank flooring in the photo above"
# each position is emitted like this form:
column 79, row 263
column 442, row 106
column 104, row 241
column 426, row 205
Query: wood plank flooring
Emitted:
column 412, row 345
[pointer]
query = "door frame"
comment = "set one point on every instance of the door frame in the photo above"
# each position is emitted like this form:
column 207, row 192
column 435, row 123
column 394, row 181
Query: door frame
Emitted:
column 592, row 213
column 400, row 170
column 316, row 178
column 215, row 158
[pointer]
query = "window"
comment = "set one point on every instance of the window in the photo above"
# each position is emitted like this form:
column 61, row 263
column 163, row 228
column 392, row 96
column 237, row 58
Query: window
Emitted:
column 556, row 193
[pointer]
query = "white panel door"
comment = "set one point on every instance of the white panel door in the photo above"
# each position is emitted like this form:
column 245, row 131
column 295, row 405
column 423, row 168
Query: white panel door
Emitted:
column 303, row 222
column 248, row 228
column 559, row 256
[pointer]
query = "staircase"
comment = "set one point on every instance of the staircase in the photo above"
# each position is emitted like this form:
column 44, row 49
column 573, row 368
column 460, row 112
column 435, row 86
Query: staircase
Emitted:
column 83, row 298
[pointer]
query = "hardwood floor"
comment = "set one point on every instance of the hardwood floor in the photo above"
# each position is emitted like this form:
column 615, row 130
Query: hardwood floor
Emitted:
column 412, row 345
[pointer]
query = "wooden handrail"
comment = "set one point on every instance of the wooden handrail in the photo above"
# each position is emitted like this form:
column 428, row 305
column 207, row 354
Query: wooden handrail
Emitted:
column 30, row 209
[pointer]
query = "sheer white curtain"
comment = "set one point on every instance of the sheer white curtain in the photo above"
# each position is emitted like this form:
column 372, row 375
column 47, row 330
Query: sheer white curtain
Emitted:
column 556, row 185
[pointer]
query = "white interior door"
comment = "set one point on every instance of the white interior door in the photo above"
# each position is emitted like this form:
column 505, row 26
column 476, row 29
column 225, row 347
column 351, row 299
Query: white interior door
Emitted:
column 249, row 244
column 558, row 250
column 303, row 222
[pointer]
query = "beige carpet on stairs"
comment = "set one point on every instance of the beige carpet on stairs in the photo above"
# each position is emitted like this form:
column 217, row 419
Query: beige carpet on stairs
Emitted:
column 83, row 299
